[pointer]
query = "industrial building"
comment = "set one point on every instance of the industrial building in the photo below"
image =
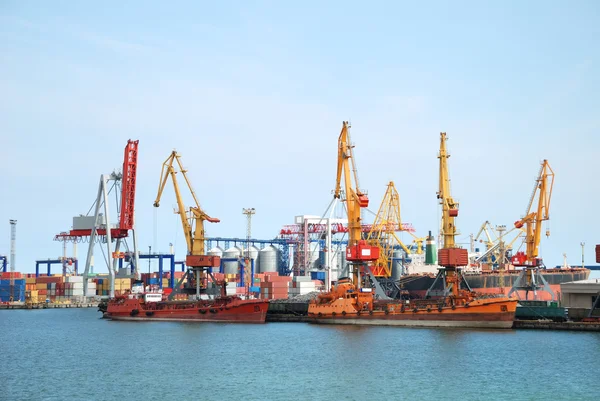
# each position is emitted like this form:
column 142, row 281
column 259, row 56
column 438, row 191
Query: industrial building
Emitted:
column 579, row 296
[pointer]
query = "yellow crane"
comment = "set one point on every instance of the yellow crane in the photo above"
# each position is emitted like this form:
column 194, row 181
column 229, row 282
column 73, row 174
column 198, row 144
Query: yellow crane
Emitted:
column 450, row 256
column 358, row 252
column 530, row 278
column 193, row 226
column 383, row 231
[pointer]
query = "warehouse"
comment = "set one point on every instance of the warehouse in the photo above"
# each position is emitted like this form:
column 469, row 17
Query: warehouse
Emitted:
column 579, row 296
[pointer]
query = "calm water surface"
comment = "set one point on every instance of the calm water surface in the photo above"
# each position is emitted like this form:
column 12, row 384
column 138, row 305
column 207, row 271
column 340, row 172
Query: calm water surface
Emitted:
column 72, row 354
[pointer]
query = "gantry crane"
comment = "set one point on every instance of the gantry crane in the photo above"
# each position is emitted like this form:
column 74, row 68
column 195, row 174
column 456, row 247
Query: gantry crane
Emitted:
column 193, row 227
column 450, row 256
column 383, row 232
column 530, row 279
column 358, row 252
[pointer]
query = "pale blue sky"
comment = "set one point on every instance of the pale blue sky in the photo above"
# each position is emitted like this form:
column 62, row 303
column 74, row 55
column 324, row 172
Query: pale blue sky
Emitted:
column 252, row 94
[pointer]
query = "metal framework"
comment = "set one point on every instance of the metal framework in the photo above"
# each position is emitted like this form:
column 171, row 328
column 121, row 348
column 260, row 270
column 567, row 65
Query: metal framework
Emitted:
column 124, row 185
column 383, row 232
column 50, row 262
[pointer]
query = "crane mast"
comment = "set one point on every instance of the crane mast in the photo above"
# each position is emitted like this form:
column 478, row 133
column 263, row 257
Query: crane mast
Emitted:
column 358, row 251
column 449, row 206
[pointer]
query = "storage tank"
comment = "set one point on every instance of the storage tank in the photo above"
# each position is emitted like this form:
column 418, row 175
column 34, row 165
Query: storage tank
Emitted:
column 268, row 259
column 216, row 251
column 397, row 264
column 231, row 267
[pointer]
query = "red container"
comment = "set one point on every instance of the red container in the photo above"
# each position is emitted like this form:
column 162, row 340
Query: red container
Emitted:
column 453, row 257
column 9, row 275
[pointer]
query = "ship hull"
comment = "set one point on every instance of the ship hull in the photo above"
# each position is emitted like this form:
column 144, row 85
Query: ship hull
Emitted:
column 482, row 321
column 490, row 282
column 497, row 313
column 223, row 311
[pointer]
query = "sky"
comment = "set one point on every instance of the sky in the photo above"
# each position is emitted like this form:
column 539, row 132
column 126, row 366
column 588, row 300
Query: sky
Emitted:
column 252, row 94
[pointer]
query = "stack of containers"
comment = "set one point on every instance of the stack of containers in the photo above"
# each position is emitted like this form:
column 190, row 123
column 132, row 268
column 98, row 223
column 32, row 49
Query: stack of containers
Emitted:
column 33, row 296
column 30, row 284
column 102, row 285
column 122, row 285
column 301, row 285
column 258, row 278
column 274, row 286
column 12, row 291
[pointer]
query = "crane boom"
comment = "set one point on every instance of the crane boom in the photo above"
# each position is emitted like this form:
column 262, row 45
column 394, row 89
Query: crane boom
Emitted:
column 195, row 239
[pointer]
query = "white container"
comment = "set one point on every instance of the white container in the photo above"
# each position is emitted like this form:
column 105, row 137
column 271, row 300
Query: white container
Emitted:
column 152, row 298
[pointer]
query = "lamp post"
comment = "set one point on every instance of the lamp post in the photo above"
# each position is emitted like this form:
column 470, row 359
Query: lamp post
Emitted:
column 582, row 253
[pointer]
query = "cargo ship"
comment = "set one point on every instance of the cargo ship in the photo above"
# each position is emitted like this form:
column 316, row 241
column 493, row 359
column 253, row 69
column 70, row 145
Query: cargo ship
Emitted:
column 151, row 307
column 346, row 304
column 489, row 281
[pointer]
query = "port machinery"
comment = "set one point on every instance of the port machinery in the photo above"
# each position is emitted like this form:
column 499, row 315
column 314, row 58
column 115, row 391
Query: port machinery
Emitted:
column 530, row 279
column 92, row 228
column 198, row 262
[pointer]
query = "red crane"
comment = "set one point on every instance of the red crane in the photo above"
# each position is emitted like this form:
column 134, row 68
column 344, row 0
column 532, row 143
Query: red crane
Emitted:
column 127, row 201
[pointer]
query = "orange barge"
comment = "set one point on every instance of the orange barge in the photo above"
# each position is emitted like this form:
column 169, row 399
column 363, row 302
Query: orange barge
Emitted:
column 347, row 305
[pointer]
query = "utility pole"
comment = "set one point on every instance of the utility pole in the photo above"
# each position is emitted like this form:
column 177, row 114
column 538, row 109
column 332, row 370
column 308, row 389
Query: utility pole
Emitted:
column 248, row 265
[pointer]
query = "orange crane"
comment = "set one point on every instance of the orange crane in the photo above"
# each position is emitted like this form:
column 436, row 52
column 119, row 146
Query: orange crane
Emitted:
column 530, row 278
column 358, row 251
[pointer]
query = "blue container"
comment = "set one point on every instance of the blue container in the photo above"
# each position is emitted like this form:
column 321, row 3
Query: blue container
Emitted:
column 254, row 289
column 317, row 276
column 153, row 281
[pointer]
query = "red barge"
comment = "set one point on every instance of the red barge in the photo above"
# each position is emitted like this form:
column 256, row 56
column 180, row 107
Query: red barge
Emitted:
column 229, row 309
